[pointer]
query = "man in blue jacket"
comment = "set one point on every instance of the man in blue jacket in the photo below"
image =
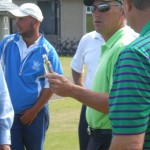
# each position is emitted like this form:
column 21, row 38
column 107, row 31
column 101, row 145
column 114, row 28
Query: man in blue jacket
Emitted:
column 22, row 59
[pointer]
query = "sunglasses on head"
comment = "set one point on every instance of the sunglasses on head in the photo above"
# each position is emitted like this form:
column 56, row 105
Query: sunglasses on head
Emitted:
column 102, row 7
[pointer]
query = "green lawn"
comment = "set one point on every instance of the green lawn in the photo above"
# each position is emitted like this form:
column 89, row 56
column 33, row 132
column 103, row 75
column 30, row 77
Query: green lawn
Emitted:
column 64, row 117
column 65, row 61
column 62, row 132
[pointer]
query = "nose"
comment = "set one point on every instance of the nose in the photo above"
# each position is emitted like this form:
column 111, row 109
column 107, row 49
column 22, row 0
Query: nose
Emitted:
column 17, row 20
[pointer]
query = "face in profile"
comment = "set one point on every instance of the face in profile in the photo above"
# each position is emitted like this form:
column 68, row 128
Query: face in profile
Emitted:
column 25, row 26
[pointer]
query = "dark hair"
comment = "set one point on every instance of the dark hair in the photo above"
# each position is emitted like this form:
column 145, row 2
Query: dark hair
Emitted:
column 141, row 4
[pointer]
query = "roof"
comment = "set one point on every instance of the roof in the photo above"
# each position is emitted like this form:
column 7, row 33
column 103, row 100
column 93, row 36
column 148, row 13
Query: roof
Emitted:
column 6, row 5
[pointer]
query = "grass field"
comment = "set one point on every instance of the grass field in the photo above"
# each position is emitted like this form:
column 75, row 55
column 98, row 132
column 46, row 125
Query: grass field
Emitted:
column 64, row 116
column 65, row 61
column 62, row 132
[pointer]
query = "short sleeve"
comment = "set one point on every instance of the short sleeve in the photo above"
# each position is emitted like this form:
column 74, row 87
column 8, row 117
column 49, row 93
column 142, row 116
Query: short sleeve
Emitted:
column 130, row 95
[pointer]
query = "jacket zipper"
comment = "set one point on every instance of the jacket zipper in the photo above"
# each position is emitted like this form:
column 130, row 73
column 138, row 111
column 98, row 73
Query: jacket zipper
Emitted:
column 23, row 63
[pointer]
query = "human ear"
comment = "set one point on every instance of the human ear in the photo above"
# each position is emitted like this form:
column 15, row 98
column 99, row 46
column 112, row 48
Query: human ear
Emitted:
column 127, row 5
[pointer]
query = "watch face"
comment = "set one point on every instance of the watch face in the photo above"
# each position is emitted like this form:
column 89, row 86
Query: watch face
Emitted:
column 88, row 2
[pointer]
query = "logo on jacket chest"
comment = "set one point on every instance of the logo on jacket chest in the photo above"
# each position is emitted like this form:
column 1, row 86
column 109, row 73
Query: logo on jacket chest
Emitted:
column 36, row 65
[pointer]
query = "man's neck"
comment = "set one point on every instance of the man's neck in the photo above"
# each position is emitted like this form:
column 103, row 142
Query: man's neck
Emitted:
column 31, row 40
column 109, row 35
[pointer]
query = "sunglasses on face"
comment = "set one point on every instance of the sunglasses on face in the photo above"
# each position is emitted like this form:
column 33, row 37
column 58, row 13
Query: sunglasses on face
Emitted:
column 102, row 7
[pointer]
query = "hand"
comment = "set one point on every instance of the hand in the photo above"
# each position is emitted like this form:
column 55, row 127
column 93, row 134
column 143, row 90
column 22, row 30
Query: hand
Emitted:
column 5, row 147
column 28, row 116
column 59, row 84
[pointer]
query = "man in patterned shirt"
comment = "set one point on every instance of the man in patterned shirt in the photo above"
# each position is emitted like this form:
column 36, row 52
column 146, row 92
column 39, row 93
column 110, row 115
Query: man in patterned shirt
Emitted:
column 130, row 94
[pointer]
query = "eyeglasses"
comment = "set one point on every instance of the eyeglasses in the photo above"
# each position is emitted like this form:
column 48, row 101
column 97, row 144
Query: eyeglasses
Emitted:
column 102, row 7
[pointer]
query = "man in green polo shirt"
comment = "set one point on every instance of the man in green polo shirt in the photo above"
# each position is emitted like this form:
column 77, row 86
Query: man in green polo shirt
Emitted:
column 110, row 21
column 130, row 94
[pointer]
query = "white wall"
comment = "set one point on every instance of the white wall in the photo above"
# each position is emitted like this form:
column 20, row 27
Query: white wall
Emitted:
column 72, row 18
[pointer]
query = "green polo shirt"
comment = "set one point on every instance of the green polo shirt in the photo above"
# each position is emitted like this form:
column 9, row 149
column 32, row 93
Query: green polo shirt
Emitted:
column 103, row 77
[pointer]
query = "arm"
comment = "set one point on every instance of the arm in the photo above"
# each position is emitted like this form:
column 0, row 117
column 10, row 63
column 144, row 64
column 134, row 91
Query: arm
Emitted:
column 77, row 77
column 6, row 114
column 30, row 114
column 125, row 142
column 95, row 100
column 63, row 87
column 78, row 62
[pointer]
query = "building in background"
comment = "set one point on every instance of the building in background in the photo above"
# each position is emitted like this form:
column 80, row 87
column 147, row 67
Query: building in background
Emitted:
column 5, row 5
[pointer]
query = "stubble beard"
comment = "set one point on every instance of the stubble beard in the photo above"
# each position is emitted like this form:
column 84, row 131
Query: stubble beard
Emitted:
column 28, row 33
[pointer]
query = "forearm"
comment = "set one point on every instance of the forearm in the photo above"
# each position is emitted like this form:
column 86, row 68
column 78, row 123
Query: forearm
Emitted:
column 127, row 142
column 63, row 87
column 77, row 78
column 43, row 99
column 30, row 114
column 95, row 100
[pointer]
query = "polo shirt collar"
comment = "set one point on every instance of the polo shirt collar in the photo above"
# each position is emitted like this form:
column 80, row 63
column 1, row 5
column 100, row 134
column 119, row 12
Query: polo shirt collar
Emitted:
column 115, row 37
column 145, row 29
column 38, row 42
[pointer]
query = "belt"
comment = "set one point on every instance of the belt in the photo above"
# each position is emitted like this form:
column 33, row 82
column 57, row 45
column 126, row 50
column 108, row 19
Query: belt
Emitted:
column 93, row 132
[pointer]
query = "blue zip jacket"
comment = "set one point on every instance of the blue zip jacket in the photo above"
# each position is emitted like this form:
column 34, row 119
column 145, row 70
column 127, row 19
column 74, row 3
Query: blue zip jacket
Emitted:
column 24, row 77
